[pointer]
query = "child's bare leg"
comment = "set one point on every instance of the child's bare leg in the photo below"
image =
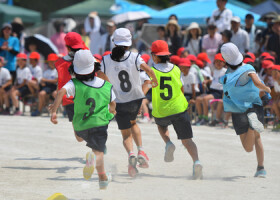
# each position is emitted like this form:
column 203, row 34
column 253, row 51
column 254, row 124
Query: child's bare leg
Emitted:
column 32, row 86
column 248, row 140
column 79, row 139
column 14, row 94
column 259, row 149
column 198, row 107
column 42, row 100
column 220, row 109
column 145, row 107
column 100, row 165
column 127, row 140
column 6, row 100
column 136, row 133
column 276, row 110
column 191, row 147
column 164, row 133
column 205, row 103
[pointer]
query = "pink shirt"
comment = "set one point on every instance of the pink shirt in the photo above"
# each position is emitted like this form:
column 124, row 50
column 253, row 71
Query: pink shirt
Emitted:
column 58, row 41
column 211, row 45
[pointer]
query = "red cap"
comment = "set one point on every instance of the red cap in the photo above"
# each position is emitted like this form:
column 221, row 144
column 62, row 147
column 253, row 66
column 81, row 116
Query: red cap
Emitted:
column 192, row 57
column 219, row 56
column 22, row 56
column 74, row 40
column 248, row 60
column 264, row 54
column 52, row 57
column 180, row 51
column 199, row 63
column 175, row 59
column 275, row 67
column 160, row 48
column 146, row 58
column 203, row 57
column 34, row 55
column 106, row 53
column 185, row 62
column 267, row 63
column 269, row 57
column 97, row 56
column 251, row 55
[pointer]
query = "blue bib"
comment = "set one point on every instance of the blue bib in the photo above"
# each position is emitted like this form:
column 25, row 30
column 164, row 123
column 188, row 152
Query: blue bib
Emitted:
column 239, row 98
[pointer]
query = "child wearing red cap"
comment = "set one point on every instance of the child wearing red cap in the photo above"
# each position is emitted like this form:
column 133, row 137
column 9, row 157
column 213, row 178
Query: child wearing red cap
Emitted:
column 48, row 84
column 5, row 86
column 20, row 89
column 123, row 70
column 170, row 105
column 215, row 91
column 36, row 72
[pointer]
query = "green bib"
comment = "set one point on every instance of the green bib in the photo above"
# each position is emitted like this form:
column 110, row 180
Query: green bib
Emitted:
column 91, row 106
column 167, row 97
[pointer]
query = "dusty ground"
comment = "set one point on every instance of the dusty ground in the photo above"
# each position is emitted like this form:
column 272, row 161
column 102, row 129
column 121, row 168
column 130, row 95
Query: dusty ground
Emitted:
column 38, row 159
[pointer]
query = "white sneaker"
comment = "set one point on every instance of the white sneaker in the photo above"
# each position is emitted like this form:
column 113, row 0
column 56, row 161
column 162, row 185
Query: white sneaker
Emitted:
column 254, row 122
column 197, row 170
column 144, row 120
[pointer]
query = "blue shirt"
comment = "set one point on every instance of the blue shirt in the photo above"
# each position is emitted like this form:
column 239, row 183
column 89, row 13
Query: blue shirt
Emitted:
column 13, row 43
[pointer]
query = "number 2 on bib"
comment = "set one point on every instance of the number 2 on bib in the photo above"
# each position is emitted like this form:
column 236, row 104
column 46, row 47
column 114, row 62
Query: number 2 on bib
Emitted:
column 163, row 86
column 124, row 79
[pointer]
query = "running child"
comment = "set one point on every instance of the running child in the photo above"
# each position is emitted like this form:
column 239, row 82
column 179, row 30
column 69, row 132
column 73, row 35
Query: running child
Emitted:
column 241, row 87
column 170, row 106
column 5, row 86
column 36, row 72
column 20, row 89
column 91, row 112
column 48, row 84
column 123, row 70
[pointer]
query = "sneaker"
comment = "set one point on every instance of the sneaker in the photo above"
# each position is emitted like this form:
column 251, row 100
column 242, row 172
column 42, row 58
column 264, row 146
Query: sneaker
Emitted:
column 35, row 113
column 260, row 173
column 214, row 123
column 104, row 184
column 17, row 113
column 89, row 167
column 145, row 120
column 197, row 122
column 143, row 159
column 197, row 170
column 132, row 170
column 203, row 122
column 254, row 122
column 169, row 152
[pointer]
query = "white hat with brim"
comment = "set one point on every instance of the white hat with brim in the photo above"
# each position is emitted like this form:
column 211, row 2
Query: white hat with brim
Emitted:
column 173, row 22
column 235, row 19
column 231, row 54
column 194, row 25
column 83, row 62
column 122, row 37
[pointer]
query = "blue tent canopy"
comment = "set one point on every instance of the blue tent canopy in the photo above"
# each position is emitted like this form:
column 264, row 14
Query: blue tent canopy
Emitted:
column 198, row 11
column 122, row 6
column 265, row 7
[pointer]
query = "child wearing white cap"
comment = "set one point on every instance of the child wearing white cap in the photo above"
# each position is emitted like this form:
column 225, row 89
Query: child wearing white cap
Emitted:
column 92, row 96
column 123, row 70
column 241, row 87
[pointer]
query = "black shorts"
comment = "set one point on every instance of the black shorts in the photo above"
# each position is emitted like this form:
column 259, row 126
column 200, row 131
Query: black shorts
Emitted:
column 240, row 120
column 127, row 112
column 189, row 96
column 49, row 88
column 181, row 123
column 7, row 88
column 149, row 95
column 95, row 137
column 218, row 94
column 70, row 111
column 24, row 91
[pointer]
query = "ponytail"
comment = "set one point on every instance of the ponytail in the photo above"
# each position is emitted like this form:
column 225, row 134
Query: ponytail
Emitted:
column 118, row 52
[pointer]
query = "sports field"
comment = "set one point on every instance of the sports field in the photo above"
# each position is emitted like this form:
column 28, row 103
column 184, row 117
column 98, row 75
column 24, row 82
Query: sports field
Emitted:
column 38, row 159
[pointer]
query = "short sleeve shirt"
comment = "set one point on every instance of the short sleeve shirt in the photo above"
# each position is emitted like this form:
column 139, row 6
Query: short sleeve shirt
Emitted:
column 4, row 76
column 50, row 74
column 23, row 74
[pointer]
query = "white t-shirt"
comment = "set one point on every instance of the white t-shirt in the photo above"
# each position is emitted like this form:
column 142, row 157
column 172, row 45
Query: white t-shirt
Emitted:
column 4, row 76
column 193, row 70
column 50, row 74
column 144, row 77
column 96, row 83
column 217, row 74
column 276, row 86
column 36, row 72
column 188, row 81
column 124, row 76
column 23, row 74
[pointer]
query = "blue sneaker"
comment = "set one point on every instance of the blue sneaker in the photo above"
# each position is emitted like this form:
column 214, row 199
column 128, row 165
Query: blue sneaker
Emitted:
column 35, row 113
column 104, row 184
column 169, row 152
column 197, row 170
column 260, row 173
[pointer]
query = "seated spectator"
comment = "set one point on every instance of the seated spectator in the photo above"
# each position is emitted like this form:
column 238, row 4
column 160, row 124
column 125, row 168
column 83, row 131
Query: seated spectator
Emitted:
column 193, row 40
column 211, row 41
column 36, row 72
column 173, row 36
column 191, row 90
column 5, row 86
column 175, row 60
column 239, row 36
column 195, row 69
column 48, row 84
column 266, row 72
column 20, row 89
column 215, row 92
column 205, row 70
column 276, row 102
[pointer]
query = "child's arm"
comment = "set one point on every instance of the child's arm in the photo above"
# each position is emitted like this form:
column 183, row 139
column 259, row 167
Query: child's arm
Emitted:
column 53, row 107
column 21, row 85
column 258, row 83
column 112, row 107
column 7, row 84
column 193, row 92
column 101, row 75
column 151, row 74
column 53, row 81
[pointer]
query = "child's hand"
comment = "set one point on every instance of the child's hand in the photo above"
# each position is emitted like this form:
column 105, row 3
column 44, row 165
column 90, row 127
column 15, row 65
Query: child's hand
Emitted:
column 154, row 83
column 54, row 118
column 113, row 111
column 268, row 90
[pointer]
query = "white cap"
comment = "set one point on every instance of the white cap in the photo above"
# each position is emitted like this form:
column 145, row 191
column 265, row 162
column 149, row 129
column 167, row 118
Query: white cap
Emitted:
column 83, row 62
column 122, row 37
column 231, row 54
column 235, row 19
